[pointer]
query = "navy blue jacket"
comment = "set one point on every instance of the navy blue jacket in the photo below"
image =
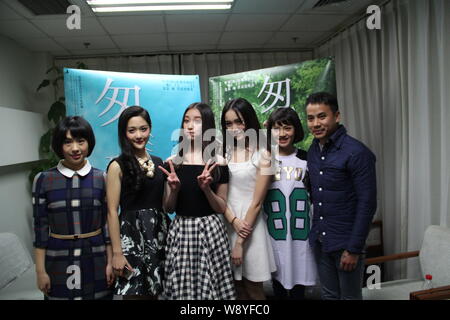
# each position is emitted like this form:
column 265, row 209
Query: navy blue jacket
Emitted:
column 343, row 191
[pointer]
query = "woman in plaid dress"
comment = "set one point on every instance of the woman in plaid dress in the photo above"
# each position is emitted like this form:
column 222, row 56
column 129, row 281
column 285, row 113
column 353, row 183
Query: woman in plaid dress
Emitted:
column 197, row 265
column 73, row 251
column 138, row 236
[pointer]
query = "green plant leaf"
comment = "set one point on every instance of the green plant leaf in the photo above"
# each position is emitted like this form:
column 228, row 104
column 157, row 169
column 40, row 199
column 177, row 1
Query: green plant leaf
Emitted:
column 54, row 68
column 44, row 144
column 33, row 173
column 55, row 81
column 43, row 166
column 53, row 159
column 43, row 84
column 51, row 69
column 57, row 112
column 81, row 65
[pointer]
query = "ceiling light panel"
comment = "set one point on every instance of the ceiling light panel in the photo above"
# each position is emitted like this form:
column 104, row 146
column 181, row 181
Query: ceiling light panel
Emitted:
column 132, row 2
column 158, row 5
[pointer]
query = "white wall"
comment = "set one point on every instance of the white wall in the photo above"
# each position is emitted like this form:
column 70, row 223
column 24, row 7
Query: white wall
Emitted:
column 11, row 122
column 21, row 72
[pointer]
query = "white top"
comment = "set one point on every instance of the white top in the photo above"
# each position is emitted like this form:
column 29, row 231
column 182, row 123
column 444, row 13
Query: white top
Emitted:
column 258, row 259
column 288, row 230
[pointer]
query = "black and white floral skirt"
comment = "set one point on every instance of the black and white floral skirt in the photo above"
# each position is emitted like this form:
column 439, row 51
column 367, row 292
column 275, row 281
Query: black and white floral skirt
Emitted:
column 198, row 262
column 143, row 236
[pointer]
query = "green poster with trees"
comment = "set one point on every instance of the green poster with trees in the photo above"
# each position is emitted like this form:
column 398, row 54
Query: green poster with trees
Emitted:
column 277, row 87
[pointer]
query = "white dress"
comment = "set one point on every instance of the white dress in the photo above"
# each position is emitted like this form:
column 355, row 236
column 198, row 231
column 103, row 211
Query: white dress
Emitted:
column 288, row 230
column 258, row 260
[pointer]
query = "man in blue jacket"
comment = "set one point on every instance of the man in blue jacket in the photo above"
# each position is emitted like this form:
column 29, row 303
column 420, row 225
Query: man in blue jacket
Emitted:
column 343, row 193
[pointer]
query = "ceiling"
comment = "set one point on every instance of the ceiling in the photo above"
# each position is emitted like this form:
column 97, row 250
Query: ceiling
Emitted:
column 248, row 25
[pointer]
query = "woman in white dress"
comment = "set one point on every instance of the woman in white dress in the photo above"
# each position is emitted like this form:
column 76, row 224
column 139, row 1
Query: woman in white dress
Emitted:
column 250, row 177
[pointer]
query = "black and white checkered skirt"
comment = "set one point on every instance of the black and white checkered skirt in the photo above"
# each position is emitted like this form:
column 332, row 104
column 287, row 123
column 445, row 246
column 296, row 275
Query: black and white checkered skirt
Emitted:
column 198, row 263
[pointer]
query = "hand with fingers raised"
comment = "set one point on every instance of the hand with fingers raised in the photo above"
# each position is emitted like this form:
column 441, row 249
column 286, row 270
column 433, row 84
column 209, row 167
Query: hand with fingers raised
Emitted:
column 205, row 179
column 172, row 178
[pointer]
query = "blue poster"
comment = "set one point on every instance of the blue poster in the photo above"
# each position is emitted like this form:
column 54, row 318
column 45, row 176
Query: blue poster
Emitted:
column 101, row 96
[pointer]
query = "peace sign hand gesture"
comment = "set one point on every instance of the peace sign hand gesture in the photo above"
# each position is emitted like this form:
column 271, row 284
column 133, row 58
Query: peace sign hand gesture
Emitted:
column 172, row 178
column 205, row 179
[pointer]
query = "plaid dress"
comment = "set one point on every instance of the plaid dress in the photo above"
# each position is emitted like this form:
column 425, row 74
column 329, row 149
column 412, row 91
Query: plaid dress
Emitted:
column 198, row 263
column 72, row 205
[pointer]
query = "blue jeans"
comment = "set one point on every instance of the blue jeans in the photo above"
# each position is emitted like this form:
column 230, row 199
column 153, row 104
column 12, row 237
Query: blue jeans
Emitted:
column 338, row 284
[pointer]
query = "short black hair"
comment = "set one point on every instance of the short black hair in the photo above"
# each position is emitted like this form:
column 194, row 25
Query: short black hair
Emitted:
column 323, row 98
column 286, row 116
column 78, row 127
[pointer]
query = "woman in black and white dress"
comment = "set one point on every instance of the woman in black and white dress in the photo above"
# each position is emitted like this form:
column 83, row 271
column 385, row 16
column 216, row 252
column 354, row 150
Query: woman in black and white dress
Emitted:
column 138, row 235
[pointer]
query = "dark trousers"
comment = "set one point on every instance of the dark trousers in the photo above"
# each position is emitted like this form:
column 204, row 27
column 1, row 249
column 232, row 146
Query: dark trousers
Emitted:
column 338, row 284
column 296, row 293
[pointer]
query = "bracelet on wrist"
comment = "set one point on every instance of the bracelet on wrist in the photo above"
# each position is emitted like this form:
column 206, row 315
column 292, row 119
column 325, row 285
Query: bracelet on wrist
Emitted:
column 233, row 220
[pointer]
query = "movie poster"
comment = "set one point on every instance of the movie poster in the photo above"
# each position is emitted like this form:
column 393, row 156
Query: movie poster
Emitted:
column 101, row 96
column 277, row 87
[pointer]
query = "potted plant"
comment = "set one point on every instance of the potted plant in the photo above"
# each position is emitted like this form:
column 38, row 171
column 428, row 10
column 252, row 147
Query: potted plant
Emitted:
column 56, row 112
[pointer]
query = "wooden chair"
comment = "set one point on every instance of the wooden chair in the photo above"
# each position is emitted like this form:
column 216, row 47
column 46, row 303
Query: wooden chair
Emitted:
column 374, row 245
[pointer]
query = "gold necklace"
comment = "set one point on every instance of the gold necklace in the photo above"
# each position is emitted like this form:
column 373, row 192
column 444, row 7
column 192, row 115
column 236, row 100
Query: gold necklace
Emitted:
column 147, row 165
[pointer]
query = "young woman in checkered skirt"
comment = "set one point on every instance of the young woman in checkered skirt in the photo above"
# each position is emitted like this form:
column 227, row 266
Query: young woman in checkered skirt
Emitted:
column 73, row 251
column 197, row 265
column 138, row 235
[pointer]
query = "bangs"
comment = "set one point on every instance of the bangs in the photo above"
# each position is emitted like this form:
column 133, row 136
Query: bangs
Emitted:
column 77, row 131
column 78, row 127
column 287, row 116
column 284, row 121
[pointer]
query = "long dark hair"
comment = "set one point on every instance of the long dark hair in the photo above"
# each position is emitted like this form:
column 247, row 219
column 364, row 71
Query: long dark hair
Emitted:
column 133, row 175
column 242, row 108
column 207, row 123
